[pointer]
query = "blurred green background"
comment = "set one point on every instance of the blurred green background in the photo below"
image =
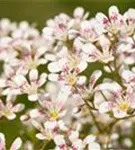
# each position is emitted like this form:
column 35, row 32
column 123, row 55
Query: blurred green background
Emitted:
column 38, row 11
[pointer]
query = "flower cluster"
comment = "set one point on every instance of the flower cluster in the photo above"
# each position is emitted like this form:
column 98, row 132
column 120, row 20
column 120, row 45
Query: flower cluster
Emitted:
column 78, row 75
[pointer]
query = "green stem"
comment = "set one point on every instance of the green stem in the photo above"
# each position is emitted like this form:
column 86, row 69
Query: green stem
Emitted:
column 93, row 116
column 90, row 110
column 44, row 146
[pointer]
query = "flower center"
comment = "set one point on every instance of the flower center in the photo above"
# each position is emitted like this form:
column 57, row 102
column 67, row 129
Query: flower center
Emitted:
column 32, row 89
column 71, row 79
column 32, row 64
column 113, row 28
column 6, row 112
column 124, row 106
column 54, row 114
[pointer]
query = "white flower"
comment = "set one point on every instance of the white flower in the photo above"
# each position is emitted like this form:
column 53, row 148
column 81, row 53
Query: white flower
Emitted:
column 68, row 77
column 89, row 31
column 58, row 28
column 31, row 55
column 121, row 103
column 76, row 59
column 48, row 131
column 8, row 110
column 113, row 23
column 55, row 106
column 104, row 55
column 25, row 31
column 6, row 26
column 32, row 86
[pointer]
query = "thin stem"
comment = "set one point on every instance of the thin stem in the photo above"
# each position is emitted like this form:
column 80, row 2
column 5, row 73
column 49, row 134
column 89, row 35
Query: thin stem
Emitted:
column 93, row 116
column 90, row 110
column 110, row 68
column 44, row 146
column 104, row 96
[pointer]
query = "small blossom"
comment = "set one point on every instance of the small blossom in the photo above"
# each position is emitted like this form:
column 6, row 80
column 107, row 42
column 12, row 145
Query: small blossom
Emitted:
column 8, row 110
column 103, row 56
column 49, row 129
column 123, row 104
column 31, row 87
column 113, row 23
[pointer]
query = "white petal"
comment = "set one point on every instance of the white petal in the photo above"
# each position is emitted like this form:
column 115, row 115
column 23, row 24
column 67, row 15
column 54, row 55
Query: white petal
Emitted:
column 59, row 140
column 118, row 113
column 34, row 113
column 11, row 116
column 128, row 75
column 62, row 125
column 53, row 77
column 42, row 61
column 89, row 48
column 104, row 42
column 2, row 106
column 130, row 14
column 74, row 135
column 18, row 107
column 78, row 44
column 2, row 141
column 40, row 136
column 47, row 31
column 36, row 124
column 50, row 57
column 82, row 66
column 100, row 17
column 94, row 77
column 33, row 97
column 62, row 96
column 20, row 80
column 105, row 107
column 24, row 117
column 50, row 125
column 78, row 12
column 81, row 80
column 89, row 139
column 107, row 69
column 8, row 70
column 2, row 83
column 79, row 144
column 94, row 146
column 56, row 66
column 113, row 87
column 16, row 144
column 40, row 51
column 113, row 11
column 33, row 75
column 42, row 79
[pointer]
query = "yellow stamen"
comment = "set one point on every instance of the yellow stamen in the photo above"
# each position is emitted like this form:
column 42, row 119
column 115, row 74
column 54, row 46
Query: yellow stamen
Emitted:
column 32, row 64
column 54, row 114
column 124, row 106
column 71, row 79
